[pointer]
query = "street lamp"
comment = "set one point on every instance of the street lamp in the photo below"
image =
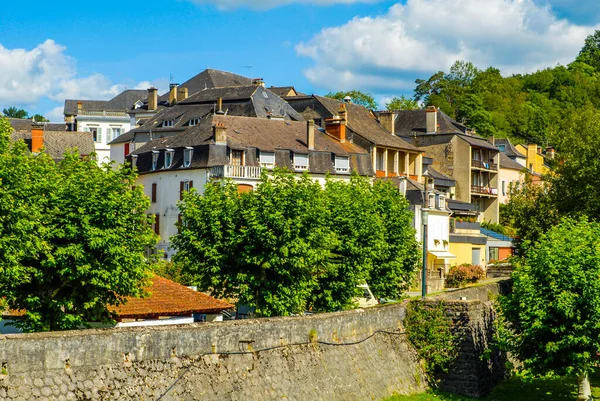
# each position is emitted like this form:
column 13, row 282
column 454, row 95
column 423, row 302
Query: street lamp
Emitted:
column 424, row 217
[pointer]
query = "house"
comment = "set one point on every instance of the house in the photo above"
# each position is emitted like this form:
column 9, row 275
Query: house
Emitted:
column 51, row 137
column 505, row 146
column 238, row 148
column 167, row 303
column 457, row 152
column 105, row 119
column 391, row 155
column 499, row 246
column 510, row 173
column 536, row 159
column 466, row 240
column 249, row 101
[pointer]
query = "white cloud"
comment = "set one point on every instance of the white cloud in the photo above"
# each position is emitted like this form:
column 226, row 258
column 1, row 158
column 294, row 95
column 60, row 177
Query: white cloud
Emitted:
column 267, row 4
column 55, row 115
column 385, row 53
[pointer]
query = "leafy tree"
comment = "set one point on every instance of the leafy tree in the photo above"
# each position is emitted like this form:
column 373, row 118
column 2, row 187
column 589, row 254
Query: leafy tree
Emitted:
column 402, row 103
column 291, row 245
column 14, row 112
column 364, row 99
column 590, row 52
column 72, row 238
column 40, row 118
column 553, row 313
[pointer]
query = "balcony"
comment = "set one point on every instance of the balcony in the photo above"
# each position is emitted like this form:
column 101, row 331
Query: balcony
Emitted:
column 230, row 171
column 484, row 165
column 481, row 190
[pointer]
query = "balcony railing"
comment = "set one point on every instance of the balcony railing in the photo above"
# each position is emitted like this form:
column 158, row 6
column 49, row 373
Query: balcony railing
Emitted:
column 231, row 171
column 484, row 165
column 477, row 189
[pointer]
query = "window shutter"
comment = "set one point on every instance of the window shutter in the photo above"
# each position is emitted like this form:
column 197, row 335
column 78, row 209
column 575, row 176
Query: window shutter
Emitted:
column 191, row 184
column 180, row 221
column 99, row 135
column 126, row 148
column 154, row 192
column 157, row 224
column 180, row 190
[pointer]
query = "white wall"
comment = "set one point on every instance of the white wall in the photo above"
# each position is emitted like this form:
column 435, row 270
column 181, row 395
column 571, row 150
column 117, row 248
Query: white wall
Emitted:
column 507, row 176
column 104, row 123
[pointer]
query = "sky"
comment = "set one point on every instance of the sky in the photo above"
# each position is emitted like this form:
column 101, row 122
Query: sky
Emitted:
column 56, row 50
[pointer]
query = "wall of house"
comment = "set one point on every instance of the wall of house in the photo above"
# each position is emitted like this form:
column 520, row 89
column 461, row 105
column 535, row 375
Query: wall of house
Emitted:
column 464, row 253
column 84, row 123
column 265, row 359
column 506, row 177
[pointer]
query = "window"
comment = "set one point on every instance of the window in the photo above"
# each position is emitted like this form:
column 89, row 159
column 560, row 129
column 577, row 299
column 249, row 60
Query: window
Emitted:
column 379, row 161
column 188, row 153
column 342, row 164
column 300, row 161
column 116, row 132
column 431, row 201
column 503, row 187
column 501, row 147
column 494, row 253
column 237, row 157
column 153, row 197
column 185, row 186
column 267, row 159
column 168, row 123
column 96, row 133
column 194, row 121
column 154, row 159
column 168, row 158
column 156, row 224
column 442, row 204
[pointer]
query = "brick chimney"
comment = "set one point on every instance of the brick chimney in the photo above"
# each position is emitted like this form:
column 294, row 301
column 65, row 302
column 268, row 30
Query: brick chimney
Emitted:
column 343, row 113
column 182, row 94
column 387, row 119
column 79, row 107
column 37, row 138
column 219, row 135
column 431, row 115
column 310, row 134
column 336, row 127
column 152, row 99
column 219, row 106
column 173, row 94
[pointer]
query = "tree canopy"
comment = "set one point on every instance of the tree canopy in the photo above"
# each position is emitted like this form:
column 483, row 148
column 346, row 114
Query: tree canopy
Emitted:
column 364, row 99
column 73, row 237
column 402, row 103
column 553, row 311
column 14, row 112
column 291, row 245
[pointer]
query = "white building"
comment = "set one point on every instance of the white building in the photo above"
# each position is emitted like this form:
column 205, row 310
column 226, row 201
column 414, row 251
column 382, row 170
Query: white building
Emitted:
column 106, row 120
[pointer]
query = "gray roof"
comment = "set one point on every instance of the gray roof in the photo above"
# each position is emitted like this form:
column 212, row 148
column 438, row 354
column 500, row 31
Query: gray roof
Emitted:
column 477, row 141
column 208, row 79
column 410, row 121
column 360, row 120
column 507, row 162
column 22, row 124
column 509, row 149
column 437, row 175
column 56, row 143
column 122, row 102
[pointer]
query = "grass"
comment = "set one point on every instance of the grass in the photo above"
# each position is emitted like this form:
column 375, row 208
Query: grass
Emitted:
column 516, row 389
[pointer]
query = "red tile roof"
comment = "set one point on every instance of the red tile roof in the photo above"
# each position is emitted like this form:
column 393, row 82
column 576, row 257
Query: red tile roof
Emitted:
column 168, row 298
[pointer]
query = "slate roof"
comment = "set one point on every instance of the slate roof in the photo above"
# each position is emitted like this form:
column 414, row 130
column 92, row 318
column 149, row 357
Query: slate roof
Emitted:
column 433, row 173
column 56, row 143
column 507, row 162
column 23, row 124
column 361, row 121
column 283, row 90
column 168, row 298
column 210, row 78
column 122, row 102
column 477, row 141
column 510, row 150
column 409, row 121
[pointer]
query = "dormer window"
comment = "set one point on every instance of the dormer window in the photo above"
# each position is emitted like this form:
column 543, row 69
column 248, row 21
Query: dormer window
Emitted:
column 168, row 123
column 300, row 161
column 431, row 201
column 342, row 164
column 138, row 104
column 188, row 153
column 267, row 159
column 134, row 160
column 154, row 159
column 194, row 121
column 169, row 153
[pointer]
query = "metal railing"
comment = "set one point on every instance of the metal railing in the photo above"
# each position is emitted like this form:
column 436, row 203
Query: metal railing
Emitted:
column 477, row 189
column 231, row 171
column 484, row 165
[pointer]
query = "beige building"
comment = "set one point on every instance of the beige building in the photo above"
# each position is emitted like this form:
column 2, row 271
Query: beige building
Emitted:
column 509, row 174
column 457, row 152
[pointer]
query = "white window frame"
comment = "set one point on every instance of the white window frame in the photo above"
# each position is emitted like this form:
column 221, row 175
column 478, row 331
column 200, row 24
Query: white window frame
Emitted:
column 342, row 164
column 168, row 123
column 194, row 121
column 186, row 186
column 117, row 131
column 301, row 161
column 169, row 153
column 134, row 159
column 188, row 154
column 267, row 159
column 155, row 155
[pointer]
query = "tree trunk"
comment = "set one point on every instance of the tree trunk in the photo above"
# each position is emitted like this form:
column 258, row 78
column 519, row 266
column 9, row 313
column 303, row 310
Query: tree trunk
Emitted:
column 585, row 392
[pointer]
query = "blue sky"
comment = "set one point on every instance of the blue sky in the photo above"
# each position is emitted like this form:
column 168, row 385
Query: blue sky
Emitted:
column 96, row 49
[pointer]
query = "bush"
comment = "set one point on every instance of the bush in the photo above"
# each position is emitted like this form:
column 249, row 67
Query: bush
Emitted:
column 459, row 276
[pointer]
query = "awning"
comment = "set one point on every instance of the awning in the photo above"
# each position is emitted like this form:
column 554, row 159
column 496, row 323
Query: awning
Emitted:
column 442, row 254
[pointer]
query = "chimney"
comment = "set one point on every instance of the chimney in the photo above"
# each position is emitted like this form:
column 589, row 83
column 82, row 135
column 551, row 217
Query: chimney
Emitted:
column 152, row 99
column 310, row 134
column 336, row 127
column 258, row 82
column 492, row 140
column 343, row 113
column 79, row 107
column 431, row 114
column 388, row 119
column 37, row 138
column 173, row 94
column 220, row 105
column 182, row 94
column 347, row 99
column 219, row 135
column 550, row 153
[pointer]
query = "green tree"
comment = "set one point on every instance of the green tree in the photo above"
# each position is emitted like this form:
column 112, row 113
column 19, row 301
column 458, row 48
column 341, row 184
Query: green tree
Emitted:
column 553, row 311
column 364, row 99
column 14, row 112
column 402, row 103
column 40, row 118
column 72, row 238
column 590, row 52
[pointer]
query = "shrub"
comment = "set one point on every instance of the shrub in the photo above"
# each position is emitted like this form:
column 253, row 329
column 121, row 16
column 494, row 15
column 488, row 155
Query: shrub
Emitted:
column 459, row 276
